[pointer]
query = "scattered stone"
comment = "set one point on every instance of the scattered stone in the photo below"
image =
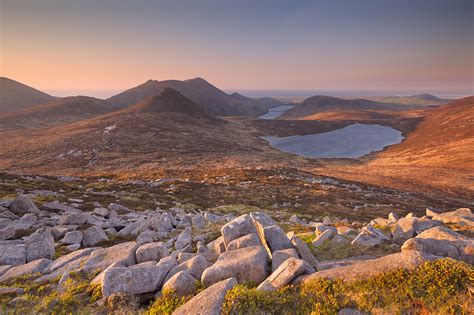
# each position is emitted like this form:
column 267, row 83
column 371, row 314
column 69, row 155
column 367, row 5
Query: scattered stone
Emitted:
column 369, row 237
column 295, row 220
column 195, row 266
column 93, row 236
column 198, row 221
column 60, row 207
column 184, row 239
column 74, row 218
column 74, row 237
column 23, row 205
column 326, row 235
column 102, row 212
column 40, row 244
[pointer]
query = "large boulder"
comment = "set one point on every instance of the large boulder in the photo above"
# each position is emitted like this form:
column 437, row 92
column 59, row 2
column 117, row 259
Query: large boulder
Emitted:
column 30, row 268
column 365, row 269
column 182, row 283
column 12, row 254
column 244, row 241
column 133, row 280
column 370, row 237
column 93, row 236
column 151, row 252
column 66, row 259
column 245, row 264
column 74, row 218
column 285, row 274
column 209, row 301
column 23, row 205
column 40, row 244
column 101, row 258
column 444, row 242
column 184, row 238
column 276, row 238
column 73, row 237
column 280, row 256
column 195, row 266
column 238, row 227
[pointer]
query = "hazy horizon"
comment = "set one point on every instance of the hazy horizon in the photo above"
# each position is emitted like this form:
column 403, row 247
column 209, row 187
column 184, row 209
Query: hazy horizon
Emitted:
column 394, row 46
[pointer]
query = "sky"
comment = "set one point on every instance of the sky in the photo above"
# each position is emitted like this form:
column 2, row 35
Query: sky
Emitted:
column 98, row 47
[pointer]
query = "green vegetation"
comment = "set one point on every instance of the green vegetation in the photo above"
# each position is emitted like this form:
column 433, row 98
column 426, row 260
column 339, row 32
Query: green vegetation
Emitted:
column 442, row 287
column 167, row 303
column 74, row 295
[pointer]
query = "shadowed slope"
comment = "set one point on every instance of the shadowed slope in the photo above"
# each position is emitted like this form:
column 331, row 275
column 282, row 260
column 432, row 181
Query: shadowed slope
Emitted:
column 15, row 96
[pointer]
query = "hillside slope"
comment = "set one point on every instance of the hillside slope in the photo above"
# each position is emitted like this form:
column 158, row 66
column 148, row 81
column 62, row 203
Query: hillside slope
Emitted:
column 15, row 96
column 168, row 131
column 438, row 154
column 56, row 112
column 416, row 100
column 214, row 101
column 323, row 104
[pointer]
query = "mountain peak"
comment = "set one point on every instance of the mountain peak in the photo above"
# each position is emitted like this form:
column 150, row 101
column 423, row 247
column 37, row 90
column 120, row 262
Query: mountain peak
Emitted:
column 169, row 100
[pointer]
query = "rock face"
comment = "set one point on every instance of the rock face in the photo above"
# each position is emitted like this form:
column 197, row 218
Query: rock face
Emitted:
column 133, row 280
column 209, row 301
column 238, row 227
column 182, row 283
column 285, row 274
column 40, row 244
column 245, row 264
column 370, row 268
column 151, row 252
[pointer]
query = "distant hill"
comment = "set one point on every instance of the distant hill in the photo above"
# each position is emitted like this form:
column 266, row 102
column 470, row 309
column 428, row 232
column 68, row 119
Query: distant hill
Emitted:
column 215, row 102
column 271, row 102
column 161, row 132
column 15, row 96
column 56, row 112
column 416, row 100
column 320, row 103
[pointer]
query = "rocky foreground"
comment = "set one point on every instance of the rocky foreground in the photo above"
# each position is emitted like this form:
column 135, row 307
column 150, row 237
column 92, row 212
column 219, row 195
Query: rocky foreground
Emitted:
column 188, row 261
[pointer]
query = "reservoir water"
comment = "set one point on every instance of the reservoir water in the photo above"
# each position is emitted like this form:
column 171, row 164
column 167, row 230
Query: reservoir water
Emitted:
column 274, row 112
column 349, row 142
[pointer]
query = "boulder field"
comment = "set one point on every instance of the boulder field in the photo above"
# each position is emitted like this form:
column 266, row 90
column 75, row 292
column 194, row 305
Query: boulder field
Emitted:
column 148, row 253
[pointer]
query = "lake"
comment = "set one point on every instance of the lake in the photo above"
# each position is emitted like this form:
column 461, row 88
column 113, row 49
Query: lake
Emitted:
column 274, row 112
column 349, row 142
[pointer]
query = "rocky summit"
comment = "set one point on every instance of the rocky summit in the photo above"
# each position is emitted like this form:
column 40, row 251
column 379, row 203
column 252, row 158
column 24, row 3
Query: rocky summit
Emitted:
column 80, row 254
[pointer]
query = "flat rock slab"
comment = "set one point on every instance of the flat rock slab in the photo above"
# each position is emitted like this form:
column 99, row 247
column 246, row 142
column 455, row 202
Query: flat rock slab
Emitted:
column 209, row 301
column 104, row 257
column 30, row 268
column 63, row 260
column 134, row 280
column 370, row 268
